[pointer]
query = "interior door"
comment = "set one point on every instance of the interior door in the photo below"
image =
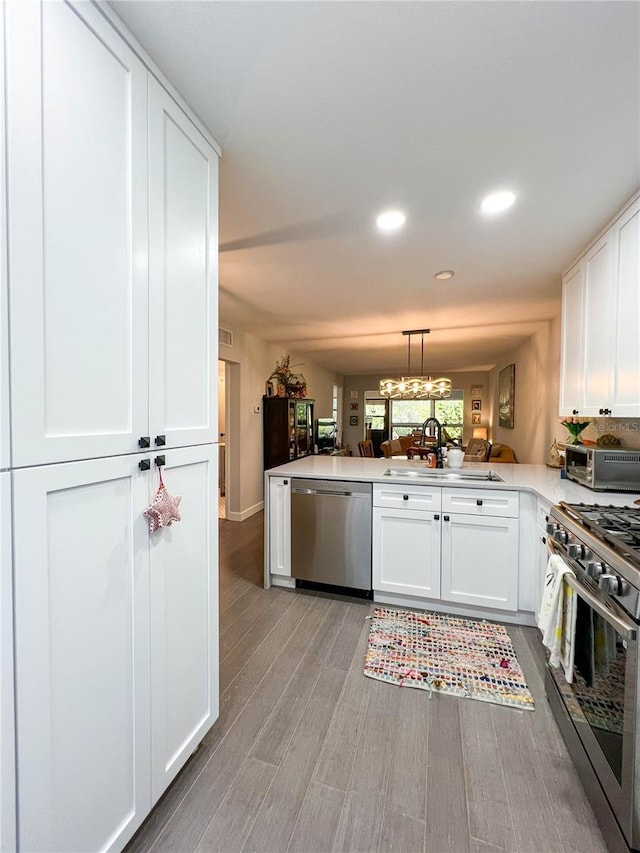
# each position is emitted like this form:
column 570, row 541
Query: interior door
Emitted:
column 183, row 276
column 77, row 217
column 82, row 654
column 184, row 615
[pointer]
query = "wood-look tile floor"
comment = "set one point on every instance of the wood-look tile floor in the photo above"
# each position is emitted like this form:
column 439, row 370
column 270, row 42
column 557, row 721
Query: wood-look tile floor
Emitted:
column 310, row 756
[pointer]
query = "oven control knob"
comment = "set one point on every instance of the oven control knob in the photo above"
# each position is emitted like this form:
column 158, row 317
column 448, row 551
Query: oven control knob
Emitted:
column 576, row 550
column 595, row 569
column 561, row 536
column 612, row 584
column 551, row 528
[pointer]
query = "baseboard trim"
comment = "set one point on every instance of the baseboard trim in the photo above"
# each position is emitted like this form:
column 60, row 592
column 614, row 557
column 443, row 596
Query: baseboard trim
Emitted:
column 511, row 617
column 246, row 513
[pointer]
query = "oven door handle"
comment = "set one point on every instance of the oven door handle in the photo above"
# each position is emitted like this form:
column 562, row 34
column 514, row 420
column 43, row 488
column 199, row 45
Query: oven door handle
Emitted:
column 628, row 630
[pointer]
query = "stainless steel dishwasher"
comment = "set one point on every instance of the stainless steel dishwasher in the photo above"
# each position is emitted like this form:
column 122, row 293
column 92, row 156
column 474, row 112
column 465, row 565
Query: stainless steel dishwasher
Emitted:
column 331, row 535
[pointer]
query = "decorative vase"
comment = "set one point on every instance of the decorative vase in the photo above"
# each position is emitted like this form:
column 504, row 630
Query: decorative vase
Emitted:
column 575, row 430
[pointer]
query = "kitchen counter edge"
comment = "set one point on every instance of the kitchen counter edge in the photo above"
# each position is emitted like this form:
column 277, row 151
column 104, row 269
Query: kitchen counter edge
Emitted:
column 545, row 482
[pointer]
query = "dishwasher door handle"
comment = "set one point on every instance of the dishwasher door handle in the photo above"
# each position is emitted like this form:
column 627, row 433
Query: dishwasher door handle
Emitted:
column 327, row 492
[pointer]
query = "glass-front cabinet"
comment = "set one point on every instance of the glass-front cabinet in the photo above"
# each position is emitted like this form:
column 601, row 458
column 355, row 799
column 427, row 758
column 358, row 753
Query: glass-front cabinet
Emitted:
column 287, row 429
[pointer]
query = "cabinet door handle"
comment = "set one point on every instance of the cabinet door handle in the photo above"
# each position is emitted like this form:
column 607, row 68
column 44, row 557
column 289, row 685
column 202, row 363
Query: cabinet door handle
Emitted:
column 144, row 441
column 405, row 497
column 160, row 461
column 160, row 440
column 544, row 540
column 575, row 412
column 144, row 464
column 446, row 517
column 479, row 501
column 436, row 517
column 286, row 482
column 605, row 411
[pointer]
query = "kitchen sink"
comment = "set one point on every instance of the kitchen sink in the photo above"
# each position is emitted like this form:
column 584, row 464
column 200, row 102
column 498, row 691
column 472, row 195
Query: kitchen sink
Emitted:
column 444, row 474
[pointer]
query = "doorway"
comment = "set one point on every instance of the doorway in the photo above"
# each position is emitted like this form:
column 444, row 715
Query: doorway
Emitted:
column 376, row 420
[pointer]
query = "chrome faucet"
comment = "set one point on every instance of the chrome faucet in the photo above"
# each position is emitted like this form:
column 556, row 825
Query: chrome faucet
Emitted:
column 423, row 433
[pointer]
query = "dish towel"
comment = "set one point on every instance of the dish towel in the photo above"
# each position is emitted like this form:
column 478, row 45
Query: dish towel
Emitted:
column 557, row 619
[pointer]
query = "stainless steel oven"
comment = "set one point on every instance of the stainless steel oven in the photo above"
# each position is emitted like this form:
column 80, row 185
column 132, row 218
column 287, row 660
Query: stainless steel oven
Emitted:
column 598, row 712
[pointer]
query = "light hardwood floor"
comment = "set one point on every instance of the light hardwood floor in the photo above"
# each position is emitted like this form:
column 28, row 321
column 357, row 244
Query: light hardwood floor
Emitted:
column 310, row 756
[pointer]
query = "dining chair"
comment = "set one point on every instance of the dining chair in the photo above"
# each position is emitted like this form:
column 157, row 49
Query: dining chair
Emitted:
column 365, row 448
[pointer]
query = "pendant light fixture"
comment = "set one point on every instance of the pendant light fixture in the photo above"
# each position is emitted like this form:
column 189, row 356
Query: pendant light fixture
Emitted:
column 416, row 387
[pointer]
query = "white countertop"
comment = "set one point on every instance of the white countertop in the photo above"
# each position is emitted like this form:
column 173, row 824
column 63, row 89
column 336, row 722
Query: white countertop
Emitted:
column 545, row 482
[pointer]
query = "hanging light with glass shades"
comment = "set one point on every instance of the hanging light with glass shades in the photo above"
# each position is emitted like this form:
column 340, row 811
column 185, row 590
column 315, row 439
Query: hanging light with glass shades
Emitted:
column 416, row 387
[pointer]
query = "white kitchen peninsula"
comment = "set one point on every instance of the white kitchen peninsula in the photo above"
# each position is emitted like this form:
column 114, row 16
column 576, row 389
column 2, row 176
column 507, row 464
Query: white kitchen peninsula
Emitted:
column 470, row 547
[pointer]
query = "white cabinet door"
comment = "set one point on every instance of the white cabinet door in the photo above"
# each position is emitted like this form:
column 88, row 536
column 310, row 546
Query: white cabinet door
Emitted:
column 406, row 552
column 184, row 615
column 183, row 276
column 599, row 326
column 81, row 552
column 5, row 460
column 280, row 526
column 77, row 215
column 7, row 729
column 572, row 352
column 480, row 561
column 626, row 236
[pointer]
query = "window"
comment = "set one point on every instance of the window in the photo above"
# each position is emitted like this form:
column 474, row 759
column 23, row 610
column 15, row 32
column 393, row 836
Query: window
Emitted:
column 375, row 413
column 409, row 415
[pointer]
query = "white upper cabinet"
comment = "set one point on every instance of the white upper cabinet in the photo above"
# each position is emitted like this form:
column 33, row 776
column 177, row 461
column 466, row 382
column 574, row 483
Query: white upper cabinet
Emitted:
column 113, row 246
column 77, row 181
column 626, row 236
column 5, row 459
column 599, row 349
column 600, row 371
column 572, row 370
column 183, row 275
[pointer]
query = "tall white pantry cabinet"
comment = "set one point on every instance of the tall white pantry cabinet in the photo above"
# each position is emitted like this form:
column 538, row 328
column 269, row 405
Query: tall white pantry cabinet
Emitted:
column 109, row 365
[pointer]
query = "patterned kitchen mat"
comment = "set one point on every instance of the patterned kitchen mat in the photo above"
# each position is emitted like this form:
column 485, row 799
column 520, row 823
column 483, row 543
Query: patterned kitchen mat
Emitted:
column 469, row 658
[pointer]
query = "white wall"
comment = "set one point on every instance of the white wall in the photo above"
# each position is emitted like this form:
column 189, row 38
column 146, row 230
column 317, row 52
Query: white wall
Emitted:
column 251, row 362
column 536, row 398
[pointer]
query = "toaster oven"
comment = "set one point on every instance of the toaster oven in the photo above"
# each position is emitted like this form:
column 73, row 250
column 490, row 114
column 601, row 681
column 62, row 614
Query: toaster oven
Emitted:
column 603, row 469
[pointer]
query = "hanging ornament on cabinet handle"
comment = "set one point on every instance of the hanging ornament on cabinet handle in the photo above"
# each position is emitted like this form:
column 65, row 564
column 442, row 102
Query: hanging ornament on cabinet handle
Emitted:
column 164, row 509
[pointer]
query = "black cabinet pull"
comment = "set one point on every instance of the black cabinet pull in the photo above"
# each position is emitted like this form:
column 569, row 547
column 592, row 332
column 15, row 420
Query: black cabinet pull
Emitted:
column 144, row 441
column 479, row 502
column 160, row 440
column 405, row 497
column 144, row 464
column 544, row 540
column 446, row 518
column 575, row 412
column 286, row 482
column 605, row 411
column 436, row 517
column 160, row 461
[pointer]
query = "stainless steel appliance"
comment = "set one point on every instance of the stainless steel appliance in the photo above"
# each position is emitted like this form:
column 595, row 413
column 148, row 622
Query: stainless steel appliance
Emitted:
column 603, row 468
column 598, row 713
column 331, row 535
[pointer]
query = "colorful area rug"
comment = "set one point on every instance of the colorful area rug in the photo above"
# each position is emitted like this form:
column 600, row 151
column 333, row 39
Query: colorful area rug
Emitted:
column 460, row 657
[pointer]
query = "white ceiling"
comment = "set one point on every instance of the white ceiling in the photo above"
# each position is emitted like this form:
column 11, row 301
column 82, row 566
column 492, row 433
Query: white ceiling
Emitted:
column 328, row 112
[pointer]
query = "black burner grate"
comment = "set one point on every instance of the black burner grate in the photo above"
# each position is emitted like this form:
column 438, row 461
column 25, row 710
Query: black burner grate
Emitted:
column 618, row 526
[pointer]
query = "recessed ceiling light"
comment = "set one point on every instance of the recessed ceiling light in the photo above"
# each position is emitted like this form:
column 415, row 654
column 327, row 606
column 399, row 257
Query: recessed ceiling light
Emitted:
column 443, row 275
column 498, row 201
column 391, row 220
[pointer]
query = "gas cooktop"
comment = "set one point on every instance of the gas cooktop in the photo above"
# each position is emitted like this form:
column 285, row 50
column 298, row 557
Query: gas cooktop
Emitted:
column 618, row 526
